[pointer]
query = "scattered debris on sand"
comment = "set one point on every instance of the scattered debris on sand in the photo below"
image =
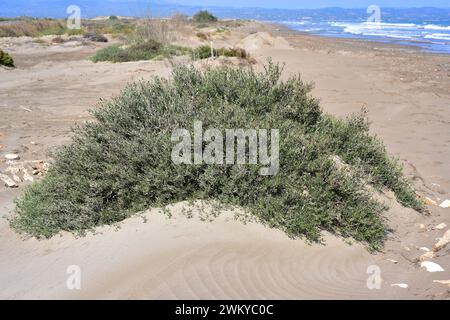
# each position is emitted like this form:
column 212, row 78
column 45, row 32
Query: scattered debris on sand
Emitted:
column 442, row 243
column 421, row 226
column 40, row 167
column 26, row 109
column 446, row 282
column 23, row 171
column 427, row 256
column 392, row 260
column 441, row 226
column 430, row 202
column 8, row 181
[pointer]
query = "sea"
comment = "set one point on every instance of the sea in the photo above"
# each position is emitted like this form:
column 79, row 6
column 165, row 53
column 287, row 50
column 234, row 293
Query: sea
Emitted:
column 427, row 28
column 432, row 37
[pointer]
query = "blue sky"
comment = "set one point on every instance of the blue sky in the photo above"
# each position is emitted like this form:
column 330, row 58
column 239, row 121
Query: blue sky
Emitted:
column 91, row 8
column 304, row 4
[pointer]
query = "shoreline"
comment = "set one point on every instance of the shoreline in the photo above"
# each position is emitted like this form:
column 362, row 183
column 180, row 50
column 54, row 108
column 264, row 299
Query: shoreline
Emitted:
column 411, row 48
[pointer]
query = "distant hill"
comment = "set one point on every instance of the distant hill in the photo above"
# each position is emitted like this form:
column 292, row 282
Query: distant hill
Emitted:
column 89, row 8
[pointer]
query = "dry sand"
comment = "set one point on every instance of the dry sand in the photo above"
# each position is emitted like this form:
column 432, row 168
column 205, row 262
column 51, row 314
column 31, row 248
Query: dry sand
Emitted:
column 407, row 94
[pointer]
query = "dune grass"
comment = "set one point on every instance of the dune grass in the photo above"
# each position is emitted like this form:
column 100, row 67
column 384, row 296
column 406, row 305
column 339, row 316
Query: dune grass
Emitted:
column 147, row 50
column 112, row 26
column 204, row 52
column 33, row 28
column 151, row 50
column 121, row 164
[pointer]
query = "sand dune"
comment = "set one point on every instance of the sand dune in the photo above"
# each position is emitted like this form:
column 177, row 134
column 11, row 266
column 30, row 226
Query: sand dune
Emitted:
column 183, row 258
column 263, row 40
column 154, row 257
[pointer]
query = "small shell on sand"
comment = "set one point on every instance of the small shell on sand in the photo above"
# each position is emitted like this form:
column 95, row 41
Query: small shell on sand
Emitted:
column 442, row 243
column 431, row 266
column 8, row 181
column 427, row 256
column 420, row 226
column 401, row 285
column 445, row 204
column 441, row 226
column 392, row 260
column 12, row 156
column 430, row 202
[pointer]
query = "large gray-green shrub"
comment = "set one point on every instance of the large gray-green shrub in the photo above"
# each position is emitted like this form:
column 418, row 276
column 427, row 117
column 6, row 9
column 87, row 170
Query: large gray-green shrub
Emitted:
column 121, row 163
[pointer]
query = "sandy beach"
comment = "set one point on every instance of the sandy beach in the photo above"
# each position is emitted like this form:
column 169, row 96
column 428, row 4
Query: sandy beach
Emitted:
column 406, row 92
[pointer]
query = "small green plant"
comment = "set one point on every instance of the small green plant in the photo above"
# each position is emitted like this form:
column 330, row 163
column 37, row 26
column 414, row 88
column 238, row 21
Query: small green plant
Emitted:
column 112, row 53
column 40, row 41
column 6, row 59
column 204, row 52
column 233, row 52
column 74, row 32
column 204, row 16
column 120, row 28
column 141, row 50
column 222, row 30
column 121, row 163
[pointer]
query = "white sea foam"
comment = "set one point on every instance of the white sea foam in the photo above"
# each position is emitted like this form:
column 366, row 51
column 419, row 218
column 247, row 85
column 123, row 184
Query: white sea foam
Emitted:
column 434, row 27
column 419, row 34
column 378, row 31
column 296, row 23
column 438, row 36
column 375, row 25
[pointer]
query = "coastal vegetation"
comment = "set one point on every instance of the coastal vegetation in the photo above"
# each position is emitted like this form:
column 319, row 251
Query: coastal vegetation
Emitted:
column 146, row 50
column 34, row 27
column 153, row 50
column 204, row 52
column 330, row 169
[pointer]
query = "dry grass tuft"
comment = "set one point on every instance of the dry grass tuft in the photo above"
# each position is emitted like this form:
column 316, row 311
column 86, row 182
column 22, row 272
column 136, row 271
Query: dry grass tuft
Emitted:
column 32, row 28
column 164, row 31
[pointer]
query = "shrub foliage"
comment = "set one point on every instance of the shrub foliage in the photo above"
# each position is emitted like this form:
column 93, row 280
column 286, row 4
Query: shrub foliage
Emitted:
column 121, row 163
column 6, row 59
column 204, row 16
column 204, row 52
